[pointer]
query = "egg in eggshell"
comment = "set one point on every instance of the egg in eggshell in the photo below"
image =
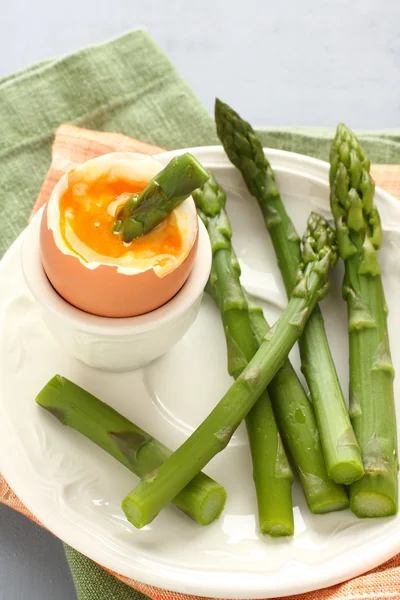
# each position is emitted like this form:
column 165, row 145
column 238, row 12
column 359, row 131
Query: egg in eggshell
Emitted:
column 89, row 265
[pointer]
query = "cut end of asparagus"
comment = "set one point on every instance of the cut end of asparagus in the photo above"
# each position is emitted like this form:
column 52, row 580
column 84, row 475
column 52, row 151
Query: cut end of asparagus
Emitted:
column 324, row 507
column 276, row 529
column 327, row 497
column 209, row 510
column 372, row 505
column 212, row 506
column 134, row 513
column 274, row 497
column 346, row 472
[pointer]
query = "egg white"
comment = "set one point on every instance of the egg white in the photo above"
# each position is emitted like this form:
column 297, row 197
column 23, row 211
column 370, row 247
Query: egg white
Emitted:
column 131, row 167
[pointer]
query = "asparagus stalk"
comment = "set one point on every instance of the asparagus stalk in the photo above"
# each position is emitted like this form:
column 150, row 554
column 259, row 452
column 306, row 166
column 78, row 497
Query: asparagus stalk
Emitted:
column 156, row 490
column 291, row 406
column 203, row 499
column 272, row 474
column 371, row 371
column 296, row 421
column 341, row 451
column 169, row 188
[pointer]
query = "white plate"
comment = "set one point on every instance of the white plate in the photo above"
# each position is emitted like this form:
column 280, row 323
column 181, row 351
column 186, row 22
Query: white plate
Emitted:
column 75, row 489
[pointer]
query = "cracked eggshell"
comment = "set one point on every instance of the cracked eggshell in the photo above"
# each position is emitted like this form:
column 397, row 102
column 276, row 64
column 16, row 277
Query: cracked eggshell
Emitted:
column 106, row 289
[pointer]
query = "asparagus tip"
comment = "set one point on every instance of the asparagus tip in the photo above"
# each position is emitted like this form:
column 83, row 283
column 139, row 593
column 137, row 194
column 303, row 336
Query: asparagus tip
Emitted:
column 218, row 103
column 221, row 108
column 319, row 240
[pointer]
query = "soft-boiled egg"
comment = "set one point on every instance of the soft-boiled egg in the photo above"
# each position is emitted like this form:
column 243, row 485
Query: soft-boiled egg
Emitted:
column 89, row 265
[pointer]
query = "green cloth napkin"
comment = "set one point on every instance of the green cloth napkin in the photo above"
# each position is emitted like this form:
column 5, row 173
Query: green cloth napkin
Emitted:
column 126, row 85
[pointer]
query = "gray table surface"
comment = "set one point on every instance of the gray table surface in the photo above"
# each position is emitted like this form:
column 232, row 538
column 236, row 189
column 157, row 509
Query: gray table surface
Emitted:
column 309, row 62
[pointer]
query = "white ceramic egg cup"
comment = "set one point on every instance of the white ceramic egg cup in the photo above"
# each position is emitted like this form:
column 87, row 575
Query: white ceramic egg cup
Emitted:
column 115, row 344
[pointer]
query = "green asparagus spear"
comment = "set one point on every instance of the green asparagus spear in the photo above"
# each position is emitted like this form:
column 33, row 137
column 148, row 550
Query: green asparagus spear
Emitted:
column 169, row 188
column 296, row 421
column 272, row 474
column 213, row 435
column 292, row 408
column 203, row 499
column 341, row 451
column 371, row 371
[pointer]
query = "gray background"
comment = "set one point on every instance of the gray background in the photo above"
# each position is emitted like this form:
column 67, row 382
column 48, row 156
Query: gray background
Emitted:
column 287, row 62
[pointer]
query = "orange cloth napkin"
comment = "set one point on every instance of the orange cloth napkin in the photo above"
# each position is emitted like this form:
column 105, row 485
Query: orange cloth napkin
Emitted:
column 73, row 146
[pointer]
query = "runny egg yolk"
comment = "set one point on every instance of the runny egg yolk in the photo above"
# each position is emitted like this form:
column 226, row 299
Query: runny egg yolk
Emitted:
column 89, row 208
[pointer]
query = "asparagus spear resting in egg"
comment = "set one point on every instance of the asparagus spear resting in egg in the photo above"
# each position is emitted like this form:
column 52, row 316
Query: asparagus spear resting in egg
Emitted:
column 203, row 499
column 167, row 190
column 339, row 443
column 272, row 474
column 372, row 409
column 158, row 488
